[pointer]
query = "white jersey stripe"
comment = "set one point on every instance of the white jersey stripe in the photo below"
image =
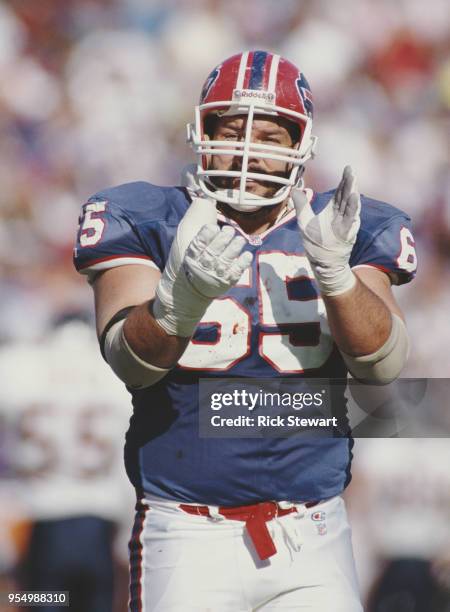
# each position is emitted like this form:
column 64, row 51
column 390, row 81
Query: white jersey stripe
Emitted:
column 117, row 262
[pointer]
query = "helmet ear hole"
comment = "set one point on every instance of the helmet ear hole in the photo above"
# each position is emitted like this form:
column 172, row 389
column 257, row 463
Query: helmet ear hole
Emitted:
column 294, row 132
column 208, row 128
column 209, row 125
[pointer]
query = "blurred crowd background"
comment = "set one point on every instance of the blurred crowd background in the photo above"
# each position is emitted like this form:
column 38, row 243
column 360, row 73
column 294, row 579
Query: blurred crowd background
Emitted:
column 98, row 92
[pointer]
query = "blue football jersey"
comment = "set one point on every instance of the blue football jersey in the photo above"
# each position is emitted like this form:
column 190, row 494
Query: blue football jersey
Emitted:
column 271, row 324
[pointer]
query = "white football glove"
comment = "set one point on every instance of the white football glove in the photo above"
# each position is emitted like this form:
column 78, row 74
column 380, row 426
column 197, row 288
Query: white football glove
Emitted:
column 202, row 265
column 328, row 237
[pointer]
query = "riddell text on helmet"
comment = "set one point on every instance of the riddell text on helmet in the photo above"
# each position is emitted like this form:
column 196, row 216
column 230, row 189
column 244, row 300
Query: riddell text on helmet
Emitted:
column 254, row 93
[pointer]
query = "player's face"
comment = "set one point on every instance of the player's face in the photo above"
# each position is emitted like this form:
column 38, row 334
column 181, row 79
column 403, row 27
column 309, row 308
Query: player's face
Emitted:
column 273, row 131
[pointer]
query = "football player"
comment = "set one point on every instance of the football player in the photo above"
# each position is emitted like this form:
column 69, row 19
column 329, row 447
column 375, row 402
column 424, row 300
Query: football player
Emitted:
column 244, row 272
column 65, row 460
column 403, row 487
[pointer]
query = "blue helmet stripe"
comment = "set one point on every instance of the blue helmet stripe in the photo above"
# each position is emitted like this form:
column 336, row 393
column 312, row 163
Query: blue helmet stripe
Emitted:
column 257, row 71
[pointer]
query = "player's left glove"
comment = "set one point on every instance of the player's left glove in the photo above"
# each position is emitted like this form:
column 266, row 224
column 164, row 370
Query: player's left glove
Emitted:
column 329, row 236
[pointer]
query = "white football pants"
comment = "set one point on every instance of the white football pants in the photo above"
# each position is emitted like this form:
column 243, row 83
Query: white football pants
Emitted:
column 184, row 563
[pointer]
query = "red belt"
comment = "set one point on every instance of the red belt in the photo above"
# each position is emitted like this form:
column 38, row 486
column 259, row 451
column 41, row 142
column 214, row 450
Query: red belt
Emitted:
column 255, row 517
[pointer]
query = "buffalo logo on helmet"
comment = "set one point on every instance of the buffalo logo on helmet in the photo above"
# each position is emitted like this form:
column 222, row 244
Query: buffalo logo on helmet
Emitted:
column 305, row 93
column 212, row 78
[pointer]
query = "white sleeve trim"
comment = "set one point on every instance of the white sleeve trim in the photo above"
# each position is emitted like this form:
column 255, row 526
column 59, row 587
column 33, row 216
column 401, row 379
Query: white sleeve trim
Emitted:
column 393, row 275
column 92, row 270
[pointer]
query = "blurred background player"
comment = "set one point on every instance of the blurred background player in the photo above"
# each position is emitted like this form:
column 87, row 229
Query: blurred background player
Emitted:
column 400, row 499
column 64, row 424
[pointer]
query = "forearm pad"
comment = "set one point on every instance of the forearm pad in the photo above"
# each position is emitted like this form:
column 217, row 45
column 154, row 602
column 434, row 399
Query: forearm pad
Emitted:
column 384, row 365
column 131, row 369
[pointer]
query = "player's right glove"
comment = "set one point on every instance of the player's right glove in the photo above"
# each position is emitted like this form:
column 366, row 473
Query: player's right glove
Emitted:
column 204, row 262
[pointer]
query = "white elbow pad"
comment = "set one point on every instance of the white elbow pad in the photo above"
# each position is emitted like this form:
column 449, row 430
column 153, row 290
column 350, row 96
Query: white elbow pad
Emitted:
column 131, row 369
column 384, row 365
